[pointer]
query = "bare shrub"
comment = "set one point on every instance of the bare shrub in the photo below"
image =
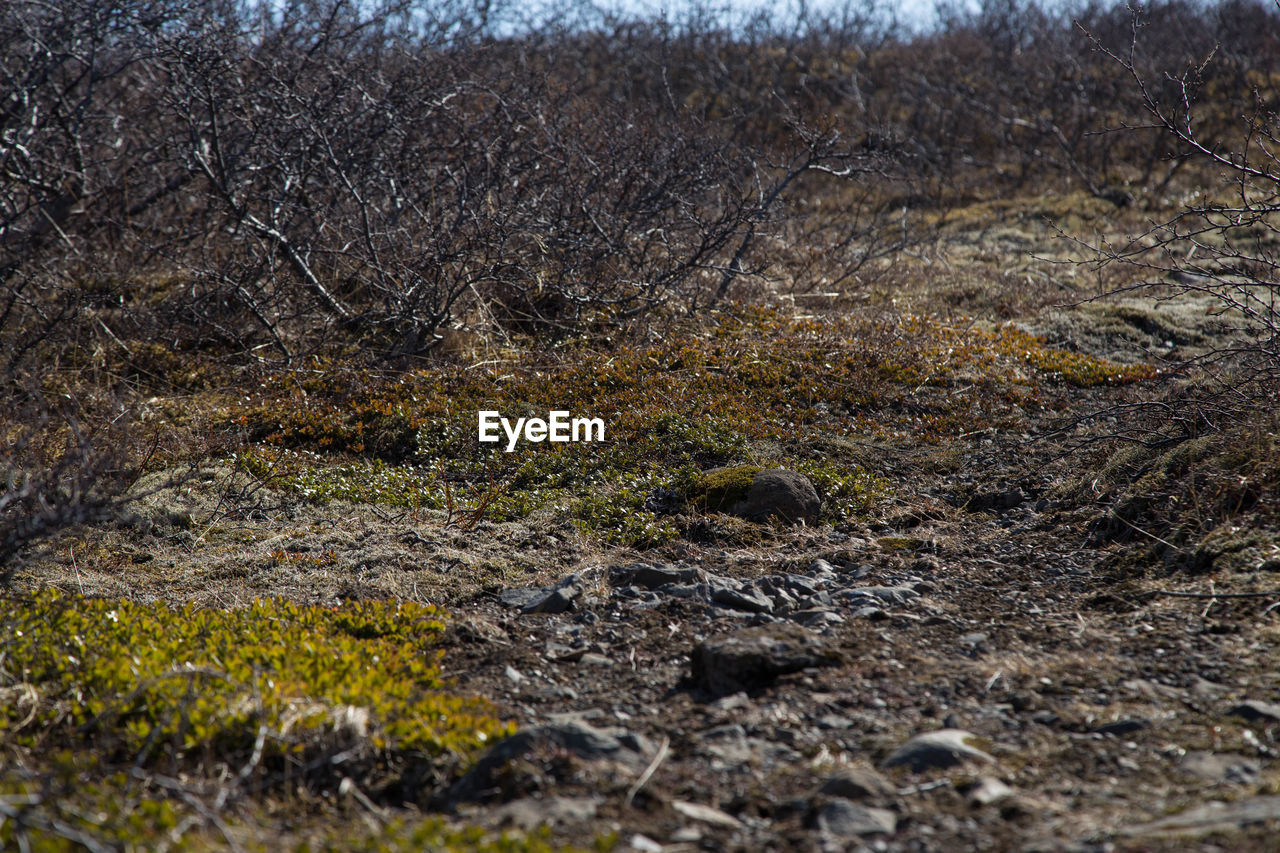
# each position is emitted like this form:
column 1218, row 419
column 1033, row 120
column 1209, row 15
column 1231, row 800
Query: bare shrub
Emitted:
column 1224, row 242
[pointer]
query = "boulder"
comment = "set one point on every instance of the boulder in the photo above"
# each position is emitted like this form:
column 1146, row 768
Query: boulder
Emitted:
column 757, row 494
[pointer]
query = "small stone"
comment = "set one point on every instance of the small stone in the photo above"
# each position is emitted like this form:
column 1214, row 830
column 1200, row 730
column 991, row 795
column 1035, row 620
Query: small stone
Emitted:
column 1122, row 727
column 883, row 594
column 745, row 599
column 1228, row 767
column 817, row 618
column 940, row 749
column 593, row 659
column 523, row 596
column 1253, row 711
column 530, row 813
column 558, row 598
column 843, row 819
column 514, row 674
column 821, row 568
column 706, row 814
column 858, row 783
column 755, row 657
column 644, row 844
column 989, row 790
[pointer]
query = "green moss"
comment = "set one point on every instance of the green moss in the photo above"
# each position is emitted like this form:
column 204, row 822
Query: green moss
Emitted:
column 145, row 682
column 719, row 490
column 901, row 543
column 435, row 835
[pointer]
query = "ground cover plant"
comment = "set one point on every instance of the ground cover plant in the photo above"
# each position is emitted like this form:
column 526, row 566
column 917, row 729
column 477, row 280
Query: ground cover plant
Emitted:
column 1001, row 287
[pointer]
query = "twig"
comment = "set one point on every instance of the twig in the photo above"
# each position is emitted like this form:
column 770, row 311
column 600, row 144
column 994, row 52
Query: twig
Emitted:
column 663, row 749
column 1273, row 593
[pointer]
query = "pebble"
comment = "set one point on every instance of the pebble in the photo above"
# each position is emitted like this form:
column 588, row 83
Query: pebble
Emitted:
column 989, row 790
column 1229, row 767
column 858, row 783
column 843, row 819
column 1253, row 711
column 529, row 813
column 941, row 749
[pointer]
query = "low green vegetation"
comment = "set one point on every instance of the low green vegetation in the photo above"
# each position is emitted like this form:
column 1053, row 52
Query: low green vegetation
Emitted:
column 273, row 696
column 705, row 397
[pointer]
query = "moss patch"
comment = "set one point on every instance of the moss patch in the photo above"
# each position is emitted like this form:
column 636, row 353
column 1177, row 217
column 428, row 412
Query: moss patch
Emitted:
column 721, row 489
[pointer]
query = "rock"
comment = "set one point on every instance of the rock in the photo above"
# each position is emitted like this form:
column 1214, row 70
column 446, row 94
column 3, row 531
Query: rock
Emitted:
column 521, row 597
column 817, row 618
column 941, row 749
column 706, row 814
column 778, row 493
column 740, row 598
column 858, row 783
column 989, row 790
column 755, row 657
column 587, row 742
column 843, row 819
column 1122, row 727
column 881, row 594
column 1212, row 817
column 514, row 674
column 757, row 494
column 643, row 844
column 558, row 598
column 1231, row 768
column 530, row 813
column 820, row 568
column 646, row 576
column 1254, row 711
column 730, row 748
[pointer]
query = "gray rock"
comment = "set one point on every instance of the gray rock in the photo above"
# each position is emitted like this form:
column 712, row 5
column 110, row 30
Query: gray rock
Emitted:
column 989, row 790
column 941, row 749
column 858, row 783
column 1122, row 727
column 1212, row 817
column 530, row 813
column 883, row 594
column 731, row 749
column 843, row 819
column 1228, row 767
column 523, row 596
column 778, row 493
column 583, row 740
column 755, row 657
column 800, row 585
column 1253, row 711
column 740, row 598
column 558, row 598
column 646, row 576
column 821, row 568
column 817, row 617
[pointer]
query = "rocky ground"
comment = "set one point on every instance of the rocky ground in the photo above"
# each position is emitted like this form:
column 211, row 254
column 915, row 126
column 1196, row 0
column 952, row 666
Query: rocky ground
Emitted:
column 960, row 679
column 1006, row 652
